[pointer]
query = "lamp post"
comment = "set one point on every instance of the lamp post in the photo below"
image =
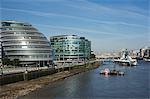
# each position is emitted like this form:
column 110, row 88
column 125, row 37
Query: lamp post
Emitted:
column 38, row 66
column 1, row 69
column 48, row 65
column 26, row 67
column 25, row 75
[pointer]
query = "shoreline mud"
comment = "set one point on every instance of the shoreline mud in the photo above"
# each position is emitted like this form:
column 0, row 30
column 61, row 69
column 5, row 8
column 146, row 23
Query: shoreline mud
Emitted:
column 15, row 90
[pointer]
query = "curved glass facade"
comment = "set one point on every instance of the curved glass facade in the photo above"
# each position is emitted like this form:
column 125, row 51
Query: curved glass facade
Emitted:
column 71, row 47
column 22, row 41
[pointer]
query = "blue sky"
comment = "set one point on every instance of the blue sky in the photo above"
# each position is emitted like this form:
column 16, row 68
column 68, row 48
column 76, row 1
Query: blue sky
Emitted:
column 109, row 24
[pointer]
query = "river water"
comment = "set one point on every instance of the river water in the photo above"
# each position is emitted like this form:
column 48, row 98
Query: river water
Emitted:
column 135, row 84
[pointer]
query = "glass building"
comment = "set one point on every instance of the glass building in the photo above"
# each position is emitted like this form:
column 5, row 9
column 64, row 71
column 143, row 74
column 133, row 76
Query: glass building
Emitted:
column 71, row 48
column 22, row 41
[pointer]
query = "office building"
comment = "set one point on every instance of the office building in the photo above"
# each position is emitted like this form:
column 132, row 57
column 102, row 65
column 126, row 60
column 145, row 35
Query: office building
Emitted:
column 142, row 51
column 147, row 53
column 20, row 40
column 71, row 48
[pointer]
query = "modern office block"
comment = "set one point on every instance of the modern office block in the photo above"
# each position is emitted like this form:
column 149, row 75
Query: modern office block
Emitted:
column 71, row 48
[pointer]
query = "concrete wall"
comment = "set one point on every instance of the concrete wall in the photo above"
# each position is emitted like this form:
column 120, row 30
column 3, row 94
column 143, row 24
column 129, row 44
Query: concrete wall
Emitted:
column 15, row 77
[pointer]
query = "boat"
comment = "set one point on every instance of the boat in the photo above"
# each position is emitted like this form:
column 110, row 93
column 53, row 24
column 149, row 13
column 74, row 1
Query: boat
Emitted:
column 126, row 59
column 111, row 72
column 147, row 60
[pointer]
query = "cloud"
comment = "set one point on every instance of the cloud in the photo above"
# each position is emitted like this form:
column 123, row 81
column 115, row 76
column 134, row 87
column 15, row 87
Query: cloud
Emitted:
column 127, row 11
column 44, row 14
column 75, row 29
column 97, row 33
column 129, row 7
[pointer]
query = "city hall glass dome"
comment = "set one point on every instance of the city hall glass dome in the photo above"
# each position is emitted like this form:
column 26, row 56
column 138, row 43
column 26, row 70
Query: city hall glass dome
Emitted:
column 20, row 40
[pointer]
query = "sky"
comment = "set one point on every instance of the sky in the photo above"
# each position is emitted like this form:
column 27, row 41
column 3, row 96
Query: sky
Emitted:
column 109, row 24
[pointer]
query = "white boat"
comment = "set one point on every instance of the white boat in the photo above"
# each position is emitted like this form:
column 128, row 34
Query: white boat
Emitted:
column 148, row 60
column 106, row 71
column 126, row 60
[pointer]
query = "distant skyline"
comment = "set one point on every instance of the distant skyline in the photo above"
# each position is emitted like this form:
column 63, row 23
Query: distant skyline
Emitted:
column 109, row 24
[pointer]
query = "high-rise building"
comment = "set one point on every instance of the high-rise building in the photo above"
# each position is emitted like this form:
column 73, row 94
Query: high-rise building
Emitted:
column 142, row 50
column 70, row 48
column 147, row 53
column 22, row 41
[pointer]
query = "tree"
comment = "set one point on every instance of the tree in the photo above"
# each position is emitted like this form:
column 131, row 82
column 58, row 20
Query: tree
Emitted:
column 92, row 56
column 16, row 62
column 6, row 61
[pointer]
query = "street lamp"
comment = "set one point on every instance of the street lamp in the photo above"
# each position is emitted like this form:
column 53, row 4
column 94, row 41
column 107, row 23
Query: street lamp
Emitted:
column 26, row 67
column 38, row 66
column 48, row 65
column 1, row 70
column 25, row 76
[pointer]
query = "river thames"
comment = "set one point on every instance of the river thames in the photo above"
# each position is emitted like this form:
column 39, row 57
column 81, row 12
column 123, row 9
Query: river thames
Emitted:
column 134, row 85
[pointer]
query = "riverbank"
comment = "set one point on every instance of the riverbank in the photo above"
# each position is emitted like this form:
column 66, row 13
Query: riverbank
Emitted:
column 91, row 85
column 15, row 90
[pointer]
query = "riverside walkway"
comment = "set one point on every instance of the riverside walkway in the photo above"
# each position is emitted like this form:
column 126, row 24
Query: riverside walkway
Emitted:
column 10, row 70
column 20, row 69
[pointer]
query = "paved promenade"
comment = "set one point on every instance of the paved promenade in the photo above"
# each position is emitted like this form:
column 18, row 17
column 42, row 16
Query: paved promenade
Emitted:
column 19, row 69
column 10, row 70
